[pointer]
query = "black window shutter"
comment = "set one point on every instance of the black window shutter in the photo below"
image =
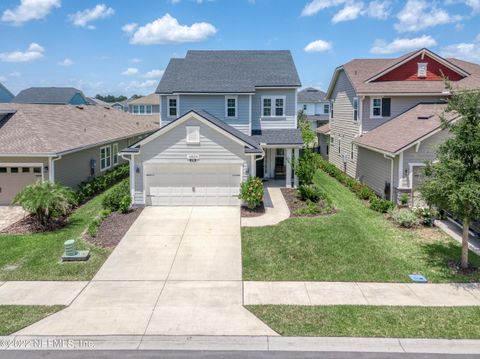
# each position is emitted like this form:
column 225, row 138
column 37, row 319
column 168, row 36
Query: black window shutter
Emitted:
column 386, row 102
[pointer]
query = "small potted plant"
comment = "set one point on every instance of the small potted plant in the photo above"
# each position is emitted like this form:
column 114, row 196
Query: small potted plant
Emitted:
column 404, row 199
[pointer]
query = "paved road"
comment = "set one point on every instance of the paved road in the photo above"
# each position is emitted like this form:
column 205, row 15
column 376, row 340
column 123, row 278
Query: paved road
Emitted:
column 219, row 355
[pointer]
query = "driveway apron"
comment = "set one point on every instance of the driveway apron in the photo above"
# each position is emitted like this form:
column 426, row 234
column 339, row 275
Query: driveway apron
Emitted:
column 177, row 271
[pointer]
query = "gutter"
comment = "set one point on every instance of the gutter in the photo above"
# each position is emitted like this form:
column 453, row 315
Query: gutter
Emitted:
column 51, row 167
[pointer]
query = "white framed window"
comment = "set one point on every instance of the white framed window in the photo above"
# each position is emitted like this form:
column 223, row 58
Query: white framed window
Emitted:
column 422, row 69
column 331, row 109
column 326, row 108
column 105, row 157
column 355, row 108
column 172, row 106
column 376, row 107
column 273, row 106
column 231, row 106
column 193, row 134
column 141, row 110
column 115, row 153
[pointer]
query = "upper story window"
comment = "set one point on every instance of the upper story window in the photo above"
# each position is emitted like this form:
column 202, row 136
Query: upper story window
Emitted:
column 422, row 69
column 142, row 109
column 231, row 106
column 105, row 158
column 355, row 108
column 326, row 108
column 380, row 107
column 273, row 106
column 193, row 134
column 172, row 106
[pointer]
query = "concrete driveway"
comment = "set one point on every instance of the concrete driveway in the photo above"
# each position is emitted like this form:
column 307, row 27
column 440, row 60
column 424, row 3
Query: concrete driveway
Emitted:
column 177, row 271
column 9, row 215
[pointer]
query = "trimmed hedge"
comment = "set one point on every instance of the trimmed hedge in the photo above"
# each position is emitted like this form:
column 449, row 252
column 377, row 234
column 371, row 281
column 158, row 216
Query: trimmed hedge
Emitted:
column 360, row 190
column 118, row 199
column 88, row 189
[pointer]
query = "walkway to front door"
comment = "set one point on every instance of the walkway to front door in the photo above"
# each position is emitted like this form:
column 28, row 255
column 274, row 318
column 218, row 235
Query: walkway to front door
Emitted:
column 176, row 272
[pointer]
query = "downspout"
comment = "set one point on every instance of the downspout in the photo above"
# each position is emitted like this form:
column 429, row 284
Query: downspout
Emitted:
column 391, row 174
column 51, row 167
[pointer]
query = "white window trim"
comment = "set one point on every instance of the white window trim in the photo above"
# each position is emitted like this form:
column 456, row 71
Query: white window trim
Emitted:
column 273, row 107
column 115, row 154
column 236, row 106
column 195, row 128
column 371, row 107
column 168, row 105
column 110, row 150
column 323, row 109
column 355, row 99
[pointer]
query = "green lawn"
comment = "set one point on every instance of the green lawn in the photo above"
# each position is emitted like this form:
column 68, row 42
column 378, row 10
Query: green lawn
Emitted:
column 16, row 317
column 371, row 321
column 38, row 256
column 355, row 244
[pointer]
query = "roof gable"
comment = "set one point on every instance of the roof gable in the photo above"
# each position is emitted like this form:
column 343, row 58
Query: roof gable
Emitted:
column 51, row 95
column 311, row 94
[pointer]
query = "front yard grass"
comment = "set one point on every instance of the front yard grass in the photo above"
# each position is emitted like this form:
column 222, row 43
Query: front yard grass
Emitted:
column 355, row 244
column 16, row 317
column 38, row 256
column 371, row 321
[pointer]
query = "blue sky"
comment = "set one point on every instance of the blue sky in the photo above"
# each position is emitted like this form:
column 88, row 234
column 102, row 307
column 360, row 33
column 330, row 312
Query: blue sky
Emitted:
column 122, row 47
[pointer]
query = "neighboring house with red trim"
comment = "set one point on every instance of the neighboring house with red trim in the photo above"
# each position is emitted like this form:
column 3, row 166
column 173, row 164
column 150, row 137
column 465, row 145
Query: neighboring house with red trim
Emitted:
column 385, row 117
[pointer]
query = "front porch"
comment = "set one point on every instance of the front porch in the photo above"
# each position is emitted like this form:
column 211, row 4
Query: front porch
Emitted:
column 277, row 165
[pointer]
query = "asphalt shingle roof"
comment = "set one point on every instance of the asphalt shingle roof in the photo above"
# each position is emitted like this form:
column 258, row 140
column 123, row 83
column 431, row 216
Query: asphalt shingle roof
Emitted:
column 152, row 99
column 310, row 94
column 286, row 136
column 53, row 129
column 229, row 71
column 47, row 95
column 405, row 129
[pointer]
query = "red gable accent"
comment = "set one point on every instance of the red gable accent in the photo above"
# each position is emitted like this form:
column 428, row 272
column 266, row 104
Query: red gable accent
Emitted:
column 408, row 71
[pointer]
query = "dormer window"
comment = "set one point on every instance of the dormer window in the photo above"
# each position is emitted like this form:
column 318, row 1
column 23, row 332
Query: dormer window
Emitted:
column 422, row 69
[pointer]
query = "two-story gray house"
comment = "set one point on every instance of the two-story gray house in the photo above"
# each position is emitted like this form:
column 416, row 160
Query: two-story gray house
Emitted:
column 313, row 103
column 225, row 115
column 385, row 117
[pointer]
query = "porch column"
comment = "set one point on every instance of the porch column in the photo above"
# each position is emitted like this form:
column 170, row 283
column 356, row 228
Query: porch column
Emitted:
column 253, row 166
column 288, row 160
column 295, row 178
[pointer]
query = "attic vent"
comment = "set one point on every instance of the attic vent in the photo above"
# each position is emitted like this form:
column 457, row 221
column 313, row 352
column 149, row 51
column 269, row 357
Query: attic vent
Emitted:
column 422, row 69
column 79, row 107
column 424, row 117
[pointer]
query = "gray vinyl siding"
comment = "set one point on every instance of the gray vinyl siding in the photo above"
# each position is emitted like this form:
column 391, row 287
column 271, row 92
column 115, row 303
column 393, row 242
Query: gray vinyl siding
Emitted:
column 289, row 121
column 215, row 105
column 171, row 147
column 74, row 168
column 342, row 126
column 399, row 105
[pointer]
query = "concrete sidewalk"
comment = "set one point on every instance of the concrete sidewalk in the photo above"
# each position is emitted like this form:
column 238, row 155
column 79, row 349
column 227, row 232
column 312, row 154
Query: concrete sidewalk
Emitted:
column 344, row 293
column 276, row 209
column 242, row 343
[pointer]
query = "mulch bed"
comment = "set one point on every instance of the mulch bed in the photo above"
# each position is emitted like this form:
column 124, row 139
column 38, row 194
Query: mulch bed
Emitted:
column 457, row 269
column 294, row 203
column 256, row 212
column 113, row 228
column 29, row 225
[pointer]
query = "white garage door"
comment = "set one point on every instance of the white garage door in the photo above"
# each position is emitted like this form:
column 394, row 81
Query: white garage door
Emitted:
column 14, row 179
column 192, row 184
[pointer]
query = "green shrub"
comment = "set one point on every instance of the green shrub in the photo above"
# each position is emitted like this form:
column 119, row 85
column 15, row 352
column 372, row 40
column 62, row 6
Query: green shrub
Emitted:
column 381, row 205
column 305, row 167
column 251, row 192
column 404, row 199
column 46, row 201
column 366, row 193
column 118, row 199
column 310, row 210
column 92, row 228
column 88, row 189
column 310, row 192
column 426, row 215
column 404, row 217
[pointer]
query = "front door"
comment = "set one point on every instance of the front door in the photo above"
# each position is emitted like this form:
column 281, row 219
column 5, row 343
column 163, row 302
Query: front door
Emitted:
column 280, row 170
column 260, row 170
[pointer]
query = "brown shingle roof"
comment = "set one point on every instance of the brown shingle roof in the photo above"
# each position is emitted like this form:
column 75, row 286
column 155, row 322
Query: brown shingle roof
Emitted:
column 53, row 129
column 324, row 129
column 397, row 134
column 152, row 99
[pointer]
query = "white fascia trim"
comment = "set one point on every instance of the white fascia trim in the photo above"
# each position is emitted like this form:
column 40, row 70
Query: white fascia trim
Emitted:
column 375, row 150
column 393, row 94
column 181, row 120
column 333, row 81
column 282, row 146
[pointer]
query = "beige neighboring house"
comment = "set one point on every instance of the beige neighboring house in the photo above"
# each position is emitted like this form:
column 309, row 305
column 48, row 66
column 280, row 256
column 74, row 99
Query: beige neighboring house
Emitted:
column 66, row 144
column 385, row 117
column 146, row 105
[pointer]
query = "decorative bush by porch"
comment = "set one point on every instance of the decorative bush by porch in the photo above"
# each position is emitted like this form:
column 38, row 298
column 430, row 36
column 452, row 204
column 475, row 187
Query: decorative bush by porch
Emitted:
column 119, row 198
column 306, row 166
column 251, row 192
column 404, row 217
column 88, row 189
column 46, row 201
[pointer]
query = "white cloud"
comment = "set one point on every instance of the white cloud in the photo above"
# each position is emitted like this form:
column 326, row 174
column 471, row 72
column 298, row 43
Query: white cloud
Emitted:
column 66, row 62
column 153, row 74
column 318, row 46
column 34, row 52
column 129, row 28
column 473, row 4
column 465, row 51
column 135, row 60
column 167, row 30
column 3, row 78
column 420, row 14
column 130, row 71
column 379, row 9
column 29, row 10
column 402, row 45
column 349, row 12
column 315, row 6
column 84, row 17
column 136, row 85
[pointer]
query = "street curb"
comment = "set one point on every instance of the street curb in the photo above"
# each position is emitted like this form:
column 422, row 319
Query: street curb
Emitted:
column 241, row 343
